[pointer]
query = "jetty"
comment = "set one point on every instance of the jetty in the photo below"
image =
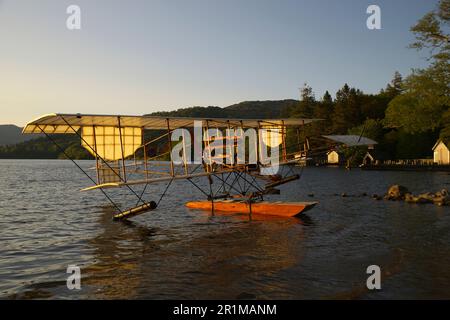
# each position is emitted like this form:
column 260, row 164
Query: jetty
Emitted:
column 406, row 165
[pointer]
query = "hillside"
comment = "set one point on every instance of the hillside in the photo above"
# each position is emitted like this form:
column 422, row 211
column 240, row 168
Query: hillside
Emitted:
column 245, row 110
column 11, row 134
column 42, row 148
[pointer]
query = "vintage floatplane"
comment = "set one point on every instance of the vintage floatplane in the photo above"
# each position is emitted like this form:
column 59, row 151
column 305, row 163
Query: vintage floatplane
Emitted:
column 141, row 150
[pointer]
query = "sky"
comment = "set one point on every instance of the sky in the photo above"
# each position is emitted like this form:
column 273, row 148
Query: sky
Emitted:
column 137, row 57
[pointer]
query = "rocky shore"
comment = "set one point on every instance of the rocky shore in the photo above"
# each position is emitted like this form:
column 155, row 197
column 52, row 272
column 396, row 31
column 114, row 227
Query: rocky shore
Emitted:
column 401, row 193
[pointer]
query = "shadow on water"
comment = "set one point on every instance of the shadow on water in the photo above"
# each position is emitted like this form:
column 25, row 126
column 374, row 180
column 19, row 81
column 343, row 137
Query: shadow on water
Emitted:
column 305, row 219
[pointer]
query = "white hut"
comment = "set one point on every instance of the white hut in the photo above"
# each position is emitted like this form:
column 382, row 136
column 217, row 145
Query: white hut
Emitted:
column 334, row 157
column 441, row 153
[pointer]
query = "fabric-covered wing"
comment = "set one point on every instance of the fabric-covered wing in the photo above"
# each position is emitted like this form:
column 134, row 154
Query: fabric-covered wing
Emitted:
column 60, row 123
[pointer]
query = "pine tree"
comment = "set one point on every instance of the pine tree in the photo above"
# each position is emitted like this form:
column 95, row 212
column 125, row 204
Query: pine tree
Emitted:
column 347, row 112
column 395, row 88
column 307, row 103
column 323, row 110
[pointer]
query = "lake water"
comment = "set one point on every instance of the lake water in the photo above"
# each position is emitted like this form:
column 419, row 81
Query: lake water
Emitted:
column 46, row 224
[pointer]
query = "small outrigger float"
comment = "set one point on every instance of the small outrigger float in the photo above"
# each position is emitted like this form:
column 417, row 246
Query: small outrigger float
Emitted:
column 278, row 208
column 136, row 151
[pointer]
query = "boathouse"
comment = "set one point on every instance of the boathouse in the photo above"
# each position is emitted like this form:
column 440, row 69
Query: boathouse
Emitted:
column 441, row 153
column 374, row 157
column 334, row 157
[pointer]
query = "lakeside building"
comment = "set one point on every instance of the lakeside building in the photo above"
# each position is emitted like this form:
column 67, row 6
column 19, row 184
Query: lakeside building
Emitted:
column 441, row 153
column 374, row 157
column 335, row 158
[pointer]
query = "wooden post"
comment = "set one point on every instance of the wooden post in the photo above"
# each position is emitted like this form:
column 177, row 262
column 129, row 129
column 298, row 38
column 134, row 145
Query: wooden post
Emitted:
column 230, row 146
column 298, row 141
column 184, row 154
column 123, row 155
column 305, row 145
column 211, row 195
column 96, row 155
column 250, row 205
column 260, row 139
column 207, row 145
column 283, row 140
column 145, row 161
column 172, row 172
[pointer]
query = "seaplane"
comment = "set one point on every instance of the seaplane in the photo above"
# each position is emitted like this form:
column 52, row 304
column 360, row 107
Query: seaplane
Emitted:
column 242, row 160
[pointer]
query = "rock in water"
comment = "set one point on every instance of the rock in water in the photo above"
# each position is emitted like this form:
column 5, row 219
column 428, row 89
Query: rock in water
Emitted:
column 441, row 198
column 396, row 193
column 377, row 197
column 409, row 198
column 424, row 198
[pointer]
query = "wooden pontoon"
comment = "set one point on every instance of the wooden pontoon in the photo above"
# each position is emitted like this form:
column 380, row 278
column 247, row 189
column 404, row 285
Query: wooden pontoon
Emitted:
column 278, row 208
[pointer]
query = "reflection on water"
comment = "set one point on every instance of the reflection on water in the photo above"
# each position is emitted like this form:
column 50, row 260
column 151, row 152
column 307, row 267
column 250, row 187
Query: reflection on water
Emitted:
column 178, row 253
column 117, row 252
column 132, row 260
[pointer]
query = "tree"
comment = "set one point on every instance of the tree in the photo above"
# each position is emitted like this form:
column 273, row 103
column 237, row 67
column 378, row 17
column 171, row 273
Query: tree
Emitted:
column 307, row 103
column 323, row 110
column 347, row 111
column 371, row 128
column 395, row 88
column 426, row 96
column 430, row 34
column 421, row 107
column 445, row 132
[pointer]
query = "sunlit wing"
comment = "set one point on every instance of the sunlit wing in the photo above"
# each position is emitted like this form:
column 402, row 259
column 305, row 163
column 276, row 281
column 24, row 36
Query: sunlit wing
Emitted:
column 61, row 123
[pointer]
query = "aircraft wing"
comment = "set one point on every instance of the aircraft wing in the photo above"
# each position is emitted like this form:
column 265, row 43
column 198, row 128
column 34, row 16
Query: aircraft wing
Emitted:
column 65, row 123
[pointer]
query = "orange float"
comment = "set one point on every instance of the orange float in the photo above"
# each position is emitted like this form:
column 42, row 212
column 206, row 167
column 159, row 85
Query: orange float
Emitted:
column 284, row 209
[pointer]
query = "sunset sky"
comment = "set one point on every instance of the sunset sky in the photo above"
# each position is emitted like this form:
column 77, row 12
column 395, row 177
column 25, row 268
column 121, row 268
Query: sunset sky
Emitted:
column 135, row 57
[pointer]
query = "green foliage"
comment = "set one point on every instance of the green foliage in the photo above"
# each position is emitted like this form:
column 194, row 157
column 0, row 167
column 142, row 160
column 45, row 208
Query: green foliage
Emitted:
column 395, row 88
column 306, row 105
column 445, row 131
column 413, row 146
column 424, row 104
column 75, row 151
column 42, row 148
column 322, row 110
column 431, row 32
column 374, row 105
column 244, row 110
column 347, row 110
column 371, row 128
column 426, row 99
